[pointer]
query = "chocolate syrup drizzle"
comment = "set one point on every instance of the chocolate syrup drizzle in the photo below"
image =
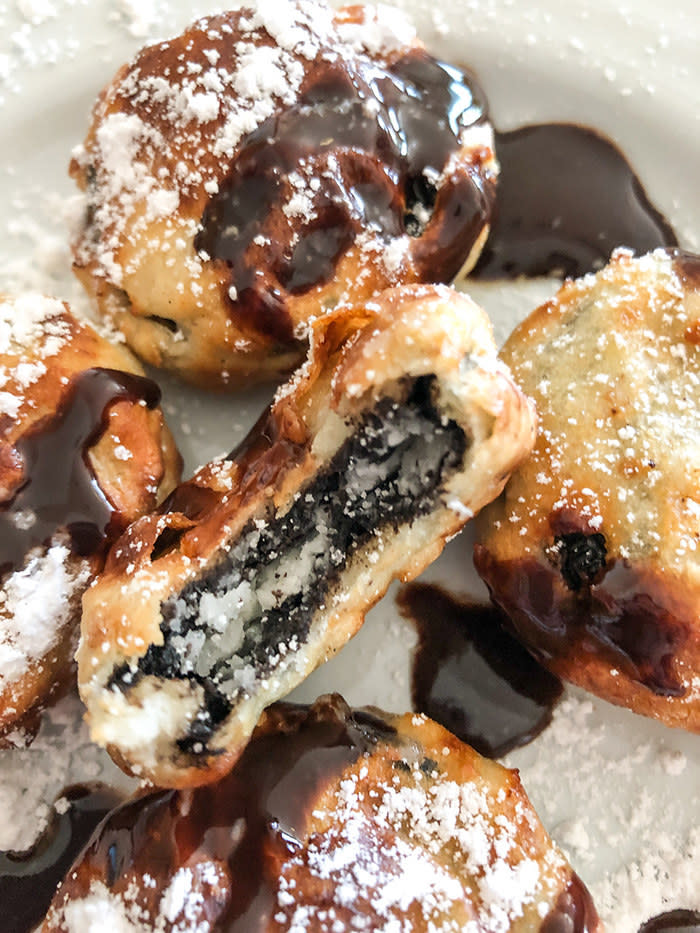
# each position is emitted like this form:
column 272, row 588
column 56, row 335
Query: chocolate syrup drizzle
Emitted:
column 373, row 138
column 567, row 197
column 28, row 880
column 622, row 617
column 470, row 675
column 58, row 489
column 248, row 823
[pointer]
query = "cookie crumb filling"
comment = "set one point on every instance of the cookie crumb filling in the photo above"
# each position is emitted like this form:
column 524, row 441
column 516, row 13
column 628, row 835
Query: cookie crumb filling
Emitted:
column 247, row 616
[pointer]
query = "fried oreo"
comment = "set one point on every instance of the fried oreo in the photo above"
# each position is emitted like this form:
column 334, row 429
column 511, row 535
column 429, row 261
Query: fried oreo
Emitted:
column 333, row 819
column 267, row 165
column 83, row 451
column 593, row 549
column 398, row 428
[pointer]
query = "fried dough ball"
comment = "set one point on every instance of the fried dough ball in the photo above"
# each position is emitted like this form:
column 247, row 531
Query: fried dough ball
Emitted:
column 333, row 820
column 83, row 451
column 593, row 550
column 267, row 165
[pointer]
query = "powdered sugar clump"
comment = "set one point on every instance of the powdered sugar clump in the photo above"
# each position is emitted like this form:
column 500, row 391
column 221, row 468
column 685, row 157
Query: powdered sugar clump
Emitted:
column 37, row 11
column 32, row 321
column 140, row 17
column 27, row 323
column 36, row 603
column 181, row 910
column 34, row 776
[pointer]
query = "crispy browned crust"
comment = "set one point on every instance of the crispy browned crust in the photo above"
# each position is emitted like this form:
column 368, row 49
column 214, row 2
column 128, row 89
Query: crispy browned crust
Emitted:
column 171, row 304
column 133, row 485
column 593, row 548
column 357, row 357
column 409, row 808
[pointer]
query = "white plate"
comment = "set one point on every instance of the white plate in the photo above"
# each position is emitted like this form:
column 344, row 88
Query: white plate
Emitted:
column 619, row 793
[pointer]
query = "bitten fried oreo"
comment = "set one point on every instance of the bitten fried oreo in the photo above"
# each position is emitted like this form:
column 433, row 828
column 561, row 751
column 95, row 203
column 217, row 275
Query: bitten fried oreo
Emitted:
column 267, row 165
column 593, row 549
column 83, row 451
column 400, row 425
column 332, row 820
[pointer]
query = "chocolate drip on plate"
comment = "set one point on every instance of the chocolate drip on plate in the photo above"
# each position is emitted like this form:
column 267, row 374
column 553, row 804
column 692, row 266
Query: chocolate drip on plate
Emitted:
column 675, row 921
column 28, row 880
column 567, row 197
column 472, row 676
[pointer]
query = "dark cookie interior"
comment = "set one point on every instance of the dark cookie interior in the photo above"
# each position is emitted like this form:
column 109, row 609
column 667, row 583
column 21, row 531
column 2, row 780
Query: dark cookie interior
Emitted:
column 390, row 471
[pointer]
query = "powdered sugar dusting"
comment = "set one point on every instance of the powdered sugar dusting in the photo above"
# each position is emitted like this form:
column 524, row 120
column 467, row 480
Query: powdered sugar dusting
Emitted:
column 102, row 911
column 34, row 776
column 36, row 603
column 435, row 846
column 618, row 430
column 650, row 865
column 32, row 321
column 33, row 326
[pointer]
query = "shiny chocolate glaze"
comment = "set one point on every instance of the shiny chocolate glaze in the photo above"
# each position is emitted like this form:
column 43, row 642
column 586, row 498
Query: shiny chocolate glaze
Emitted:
column 373, row 139
column 28, row 880
column 244, row 827
column 675, row 921
column 574, row 911
column 622, row 616
column 470, row 674
column 58, row 487
column 567, row 197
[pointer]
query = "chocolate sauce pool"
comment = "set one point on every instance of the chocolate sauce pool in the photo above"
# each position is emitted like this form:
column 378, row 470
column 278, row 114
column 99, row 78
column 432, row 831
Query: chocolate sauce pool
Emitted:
column 675, row 921
column 28, row 880
column 471, row 676
column 567, row 197
column 58, row 488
